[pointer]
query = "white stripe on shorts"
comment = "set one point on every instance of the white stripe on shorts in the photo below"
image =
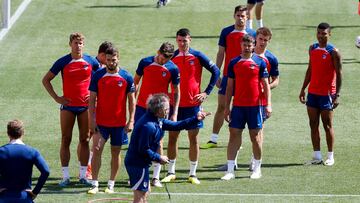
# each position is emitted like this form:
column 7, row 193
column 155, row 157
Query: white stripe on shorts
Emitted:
column 140, row 181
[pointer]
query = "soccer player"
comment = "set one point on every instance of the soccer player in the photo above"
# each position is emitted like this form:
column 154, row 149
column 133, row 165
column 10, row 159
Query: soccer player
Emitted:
column 16, row 165
column 157, row 73
column 246, row 72
column 145, row 141
column 259, row 8
column 229, row 48
column 324, row 78
column 190, row 63
column 76, row 69
column 263, row 37
column 110, row 88
column 101, row 56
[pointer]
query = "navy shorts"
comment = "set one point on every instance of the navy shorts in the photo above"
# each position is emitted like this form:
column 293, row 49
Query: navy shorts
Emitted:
column 139, row 178
column 254, row 1
column 76, row 110
column 320, row 102
column 188, row 112
column 252, row 116
column 117, row 135
column 18, row 197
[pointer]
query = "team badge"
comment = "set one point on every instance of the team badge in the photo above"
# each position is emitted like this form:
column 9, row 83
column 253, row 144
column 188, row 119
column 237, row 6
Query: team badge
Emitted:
column 120, row 83
column 164, row 74
column 192, row 62
column 324, row 56
column 252, row 66
column 86, row 67
column 160, row 124
column 145, row 184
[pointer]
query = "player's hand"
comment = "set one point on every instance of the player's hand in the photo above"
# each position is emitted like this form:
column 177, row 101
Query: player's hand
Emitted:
column 200, row 98
column 335, row 102
column 32, row 195
column 129, row 126
column 268, row 111
column 201, row 115
column 227, row 115
column 302, row 96
column 174, row 117
column 218, row 82
column 164, row 160
column 62, row 100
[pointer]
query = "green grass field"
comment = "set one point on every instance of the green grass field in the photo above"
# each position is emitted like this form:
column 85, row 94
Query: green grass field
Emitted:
column 40, row 37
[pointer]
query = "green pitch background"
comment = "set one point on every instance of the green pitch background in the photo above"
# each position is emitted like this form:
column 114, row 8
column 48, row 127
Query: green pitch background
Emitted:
column 40, row 37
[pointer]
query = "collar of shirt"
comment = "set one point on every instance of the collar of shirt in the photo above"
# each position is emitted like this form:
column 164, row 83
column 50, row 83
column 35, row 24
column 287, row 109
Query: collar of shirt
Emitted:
column 17, row 141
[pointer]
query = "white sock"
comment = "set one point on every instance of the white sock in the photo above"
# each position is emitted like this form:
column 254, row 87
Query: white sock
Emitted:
column 193, row 167
column 95, row 183
column 260, row 23
column 157, row 169
column 111, row 184
column 90, row 157
column 65, row 172
column 172, row 163
column 230, row 166
column 257, row 167
column 317, row 155
column 236, row 157
column 249, row 24
column 214, row 137
column 330, row 155
column 82, row 170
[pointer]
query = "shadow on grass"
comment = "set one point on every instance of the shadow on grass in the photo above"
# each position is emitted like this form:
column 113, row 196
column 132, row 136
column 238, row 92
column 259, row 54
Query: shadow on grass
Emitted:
column 197, row 37
column 344, row 61
column 246, row 166
column 123, row 6
column 314, row 27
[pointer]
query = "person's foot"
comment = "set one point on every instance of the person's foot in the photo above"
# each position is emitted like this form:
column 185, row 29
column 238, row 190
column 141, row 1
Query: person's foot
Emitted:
column 85, row 181
column 194, row 180
column 314, row 162
column 225, row 167
column 64, row 182
column 256, row 174
column 155, row 182
column 208, row 145
column 109, row 190
column 93, row 190
column 169, row 177
column 228, row 176
column 159, row 4
column 329, row 162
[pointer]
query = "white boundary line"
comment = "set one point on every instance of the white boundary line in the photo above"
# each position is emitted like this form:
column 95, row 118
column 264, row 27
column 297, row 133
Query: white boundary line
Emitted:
column 14, row 18
column 246, row 195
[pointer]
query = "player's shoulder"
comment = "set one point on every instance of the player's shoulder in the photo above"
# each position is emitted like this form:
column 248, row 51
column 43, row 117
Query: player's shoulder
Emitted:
column 123, row 72
column 270, row 55
column 250, row 31
column 228, row 29
column 64, row 59
column 148, row 59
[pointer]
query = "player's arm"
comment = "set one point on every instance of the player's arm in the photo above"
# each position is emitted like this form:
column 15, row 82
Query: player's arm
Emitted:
column 131, row 103
column 219, row 61
column 228, row 97
column 267, row 93
column 176, row 93
column 92, row 101
column 147, row 132
column 336, row 57
column 137, row 79
column 274, row 81
column 46, row 81
column 181, row 125
column 40, row 164
column 306, row 81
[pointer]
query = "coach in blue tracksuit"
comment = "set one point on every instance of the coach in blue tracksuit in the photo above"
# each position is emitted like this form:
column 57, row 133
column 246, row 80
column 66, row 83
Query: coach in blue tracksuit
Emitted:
column 16, row 163
column 145, row 141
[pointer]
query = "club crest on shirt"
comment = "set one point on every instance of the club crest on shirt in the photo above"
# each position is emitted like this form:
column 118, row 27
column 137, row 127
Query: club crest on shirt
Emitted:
column 164, row 74
column 192, row 62
column 86, row 67
column 120, row 83
column 252, row 66
column 324, row 56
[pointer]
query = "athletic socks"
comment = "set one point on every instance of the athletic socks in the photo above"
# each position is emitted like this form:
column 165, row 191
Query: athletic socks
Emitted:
column 111, row 184
column 65, row 172
column 82, row 173
column 330, row 155
column 249, row 24
column 157, row 169
column 214, row 137
column 317, row 155
column 172, row 163
column 260, row 23
column 230, row 166
column 193, row 166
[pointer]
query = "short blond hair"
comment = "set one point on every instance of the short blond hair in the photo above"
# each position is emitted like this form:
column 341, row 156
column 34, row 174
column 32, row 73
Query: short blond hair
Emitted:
column 76, row 35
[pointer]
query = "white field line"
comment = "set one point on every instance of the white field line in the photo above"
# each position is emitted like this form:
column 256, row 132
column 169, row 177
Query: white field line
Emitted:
column 14, row 18
column 247, row 195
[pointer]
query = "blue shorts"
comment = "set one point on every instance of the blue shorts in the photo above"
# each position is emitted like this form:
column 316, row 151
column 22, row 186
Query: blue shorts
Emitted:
column 320, row 102
column 263, row 113
column 117, row 135
column 139, row 178
column 18, row 197
column 188, row 112
column 254, row 1
column 252, row 116
column 76, row 110
column 140, row 111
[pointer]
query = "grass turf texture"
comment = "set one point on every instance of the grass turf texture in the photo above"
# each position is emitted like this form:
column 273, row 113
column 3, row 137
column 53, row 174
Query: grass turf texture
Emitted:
column 40, row 37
